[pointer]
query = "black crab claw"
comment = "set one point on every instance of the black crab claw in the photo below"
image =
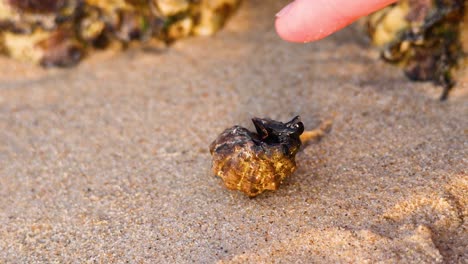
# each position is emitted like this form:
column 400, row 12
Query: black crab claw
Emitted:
column 273, row 131
column 260, row 126
column 296, row 125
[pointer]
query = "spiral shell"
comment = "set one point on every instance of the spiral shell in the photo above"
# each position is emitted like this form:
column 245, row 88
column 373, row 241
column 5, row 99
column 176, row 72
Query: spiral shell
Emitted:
column 254, row 162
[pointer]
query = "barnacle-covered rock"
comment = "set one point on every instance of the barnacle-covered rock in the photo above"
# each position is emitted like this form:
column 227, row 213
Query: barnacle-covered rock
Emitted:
column 24, row 16
column 254, row 162
column 56, row 48
column 67, row 29
column 423, row 37
column 212, row 14
column 171, row 7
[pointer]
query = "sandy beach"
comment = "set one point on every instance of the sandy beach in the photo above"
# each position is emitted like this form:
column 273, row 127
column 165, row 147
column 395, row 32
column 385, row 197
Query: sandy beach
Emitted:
column 108, row 162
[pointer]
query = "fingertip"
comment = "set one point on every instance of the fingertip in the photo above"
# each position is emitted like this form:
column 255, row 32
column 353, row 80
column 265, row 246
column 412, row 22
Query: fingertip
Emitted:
column 305, row 20
column 303, row 33
column 284, row 32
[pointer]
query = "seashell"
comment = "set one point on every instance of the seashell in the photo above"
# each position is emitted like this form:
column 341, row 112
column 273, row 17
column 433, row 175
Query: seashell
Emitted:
column 254, row 162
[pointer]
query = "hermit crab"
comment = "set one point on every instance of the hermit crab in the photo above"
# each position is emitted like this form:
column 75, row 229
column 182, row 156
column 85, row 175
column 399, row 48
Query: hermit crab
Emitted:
column 253, row 162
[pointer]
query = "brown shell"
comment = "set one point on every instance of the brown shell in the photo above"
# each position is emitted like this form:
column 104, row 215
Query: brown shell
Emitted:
column 255, row 162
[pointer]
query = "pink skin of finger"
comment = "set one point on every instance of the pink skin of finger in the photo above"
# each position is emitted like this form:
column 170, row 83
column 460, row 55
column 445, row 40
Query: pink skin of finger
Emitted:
column 310, row 20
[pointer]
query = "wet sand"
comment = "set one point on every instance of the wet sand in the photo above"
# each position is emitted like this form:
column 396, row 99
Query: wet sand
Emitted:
column 108, row 162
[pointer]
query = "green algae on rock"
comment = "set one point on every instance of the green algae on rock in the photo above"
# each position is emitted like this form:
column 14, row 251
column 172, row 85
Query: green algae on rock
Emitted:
column 423, row 37
column 61, row 32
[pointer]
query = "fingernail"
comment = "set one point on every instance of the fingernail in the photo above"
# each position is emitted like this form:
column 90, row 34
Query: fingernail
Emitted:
column 285, row 10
